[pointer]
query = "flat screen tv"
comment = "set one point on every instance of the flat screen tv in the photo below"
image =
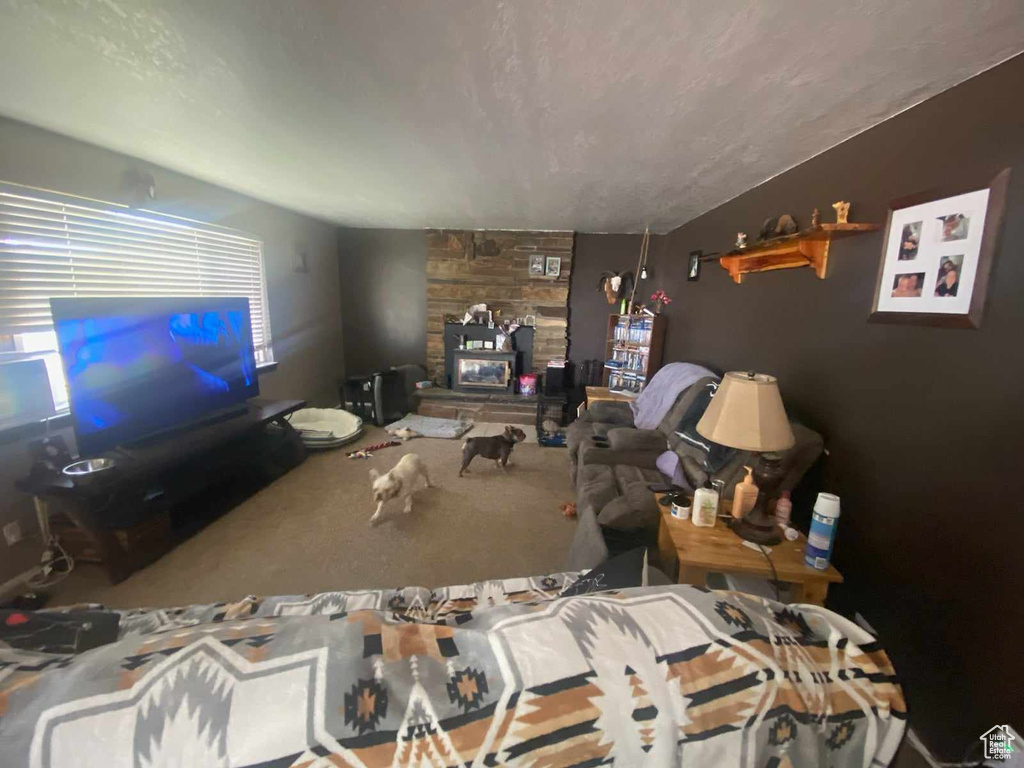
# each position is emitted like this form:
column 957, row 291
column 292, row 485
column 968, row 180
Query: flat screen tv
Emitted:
column 136, row 367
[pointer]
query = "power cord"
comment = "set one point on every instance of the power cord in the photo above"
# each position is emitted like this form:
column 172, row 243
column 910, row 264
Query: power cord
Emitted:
column 57, row 565
column 775, row 575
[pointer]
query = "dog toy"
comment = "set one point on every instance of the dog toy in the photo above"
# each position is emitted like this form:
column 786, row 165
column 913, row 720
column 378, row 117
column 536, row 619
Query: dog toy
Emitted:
column 367, row 452
column 568, row 510
column 405, row 433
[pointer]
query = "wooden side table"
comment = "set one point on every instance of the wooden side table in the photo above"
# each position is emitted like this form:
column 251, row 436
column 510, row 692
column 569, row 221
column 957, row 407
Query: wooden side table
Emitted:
column 699, row 551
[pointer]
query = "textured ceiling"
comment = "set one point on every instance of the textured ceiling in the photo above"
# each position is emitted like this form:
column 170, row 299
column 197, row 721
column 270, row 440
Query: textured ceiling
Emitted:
column 603, row 115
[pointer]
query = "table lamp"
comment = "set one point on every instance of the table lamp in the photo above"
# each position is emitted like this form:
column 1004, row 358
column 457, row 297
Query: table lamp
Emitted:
column 747, row 413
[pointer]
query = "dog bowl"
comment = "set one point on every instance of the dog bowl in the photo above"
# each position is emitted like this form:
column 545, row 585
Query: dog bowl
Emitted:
column 86, row 469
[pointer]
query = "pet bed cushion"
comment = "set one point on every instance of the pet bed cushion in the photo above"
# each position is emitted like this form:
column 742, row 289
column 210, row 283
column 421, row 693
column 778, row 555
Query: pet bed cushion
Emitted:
column 430, row 426
column 326, row 427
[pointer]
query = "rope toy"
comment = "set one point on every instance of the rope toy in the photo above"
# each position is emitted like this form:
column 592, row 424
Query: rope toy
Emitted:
column 367, row 452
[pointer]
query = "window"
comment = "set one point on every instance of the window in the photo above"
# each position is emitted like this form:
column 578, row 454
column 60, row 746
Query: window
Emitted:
column 55, row 245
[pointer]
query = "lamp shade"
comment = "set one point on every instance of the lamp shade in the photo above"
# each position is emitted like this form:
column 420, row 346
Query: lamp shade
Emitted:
column 747, row 413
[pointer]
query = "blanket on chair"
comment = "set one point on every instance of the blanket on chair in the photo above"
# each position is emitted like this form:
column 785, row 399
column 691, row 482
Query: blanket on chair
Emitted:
column 662, row 390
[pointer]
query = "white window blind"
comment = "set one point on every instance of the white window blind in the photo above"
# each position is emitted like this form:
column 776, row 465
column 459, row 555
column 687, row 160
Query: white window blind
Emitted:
column 61, row 246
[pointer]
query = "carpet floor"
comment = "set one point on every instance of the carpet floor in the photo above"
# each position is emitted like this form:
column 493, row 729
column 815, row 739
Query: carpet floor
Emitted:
column 309, row 532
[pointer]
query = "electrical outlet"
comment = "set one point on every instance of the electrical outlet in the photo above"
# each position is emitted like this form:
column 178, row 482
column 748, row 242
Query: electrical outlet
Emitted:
column 12, row 533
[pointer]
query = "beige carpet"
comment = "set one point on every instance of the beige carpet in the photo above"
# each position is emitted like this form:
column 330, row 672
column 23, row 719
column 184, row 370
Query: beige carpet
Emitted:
column 308, row 531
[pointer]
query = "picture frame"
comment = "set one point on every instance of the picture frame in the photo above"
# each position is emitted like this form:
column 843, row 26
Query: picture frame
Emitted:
column 537, row 265
column 693, row 271
column 552, row 266
column 937, row 254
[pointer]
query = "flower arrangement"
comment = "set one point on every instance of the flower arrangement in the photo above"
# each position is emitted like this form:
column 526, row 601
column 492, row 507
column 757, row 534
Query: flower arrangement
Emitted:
column 660, row 299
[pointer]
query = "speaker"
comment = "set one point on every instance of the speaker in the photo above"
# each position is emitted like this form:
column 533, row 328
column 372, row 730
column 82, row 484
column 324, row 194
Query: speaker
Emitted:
column 555, row 378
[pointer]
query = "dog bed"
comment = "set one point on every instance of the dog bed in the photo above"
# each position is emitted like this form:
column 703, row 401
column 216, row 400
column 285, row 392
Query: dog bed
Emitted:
column 430, row 426
column 326, row 427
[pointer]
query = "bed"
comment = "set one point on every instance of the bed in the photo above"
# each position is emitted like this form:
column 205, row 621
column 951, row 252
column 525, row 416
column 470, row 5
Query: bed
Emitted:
column 494, row 673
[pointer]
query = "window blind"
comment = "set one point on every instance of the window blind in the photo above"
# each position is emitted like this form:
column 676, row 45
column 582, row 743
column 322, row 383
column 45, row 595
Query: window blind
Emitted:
column 61, row 246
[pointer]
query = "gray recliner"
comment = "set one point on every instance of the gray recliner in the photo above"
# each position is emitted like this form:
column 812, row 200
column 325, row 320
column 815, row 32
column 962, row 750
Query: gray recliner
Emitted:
column 612, row 463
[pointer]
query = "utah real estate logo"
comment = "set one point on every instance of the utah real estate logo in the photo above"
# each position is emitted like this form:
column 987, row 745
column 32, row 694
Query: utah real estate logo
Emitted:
column 997, row 742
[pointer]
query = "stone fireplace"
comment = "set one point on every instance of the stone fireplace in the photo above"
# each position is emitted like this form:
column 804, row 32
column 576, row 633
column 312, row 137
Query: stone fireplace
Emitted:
column 493, row 268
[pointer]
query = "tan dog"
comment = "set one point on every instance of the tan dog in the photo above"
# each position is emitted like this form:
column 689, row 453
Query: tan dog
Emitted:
column 399, row 483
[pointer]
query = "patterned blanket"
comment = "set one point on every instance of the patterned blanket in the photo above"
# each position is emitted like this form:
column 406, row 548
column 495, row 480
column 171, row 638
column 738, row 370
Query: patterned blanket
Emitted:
column 496, row 673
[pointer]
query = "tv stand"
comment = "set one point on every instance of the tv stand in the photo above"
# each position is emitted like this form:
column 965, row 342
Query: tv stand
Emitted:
column 165, row 488
column 211, row 418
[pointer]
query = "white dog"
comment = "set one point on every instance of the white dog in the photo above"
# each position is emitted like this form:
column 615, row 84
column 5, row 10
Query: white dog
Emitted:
column 399, row 483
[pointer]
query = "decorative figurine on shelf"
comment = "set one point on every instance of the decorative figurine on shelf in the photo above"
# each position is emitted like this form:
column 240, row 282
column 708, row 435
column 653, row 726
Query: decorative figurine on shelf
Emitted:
column 777, row 227
column 842, row 211
column 616, row 285
column 660, row 300
column 814, row 218
column 741, row 240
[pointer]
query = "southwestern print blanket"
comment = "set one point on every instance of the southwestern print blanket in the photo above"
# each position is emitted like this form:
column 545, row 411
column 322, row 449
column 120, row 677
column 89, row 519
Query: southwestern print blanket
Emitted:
column 495, row 673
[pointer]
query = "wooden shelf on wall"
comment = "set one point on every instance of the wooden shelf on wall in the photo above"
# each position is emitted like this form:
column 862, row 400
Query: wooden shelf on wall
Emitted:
column 804, row 249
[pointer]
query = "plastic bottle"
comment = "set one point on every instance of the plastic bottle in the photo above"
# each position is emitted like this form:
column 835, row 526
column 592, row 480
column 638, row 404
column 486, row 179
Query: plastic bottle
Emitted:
column 705, row 506
column 744, row 496
column 822, row 536
column 783, row 509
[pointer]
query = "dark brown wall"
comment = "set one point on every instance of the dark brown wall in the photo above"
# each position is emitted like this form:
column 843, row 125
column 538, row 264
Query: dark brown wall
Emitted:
column 924, row 426
column 588, row 306
column 383, row 297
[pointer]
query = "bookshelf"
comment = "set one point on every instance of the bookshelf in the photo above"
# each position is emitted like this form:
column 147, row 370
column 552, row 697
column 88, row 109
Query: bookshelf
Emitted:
column 637, row 342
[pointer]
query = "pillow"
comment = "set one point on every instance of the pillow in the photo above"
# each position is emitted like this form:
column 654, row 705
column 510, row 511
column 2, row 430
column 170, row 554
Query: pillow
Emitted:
column 668, row 464
column 621, row 572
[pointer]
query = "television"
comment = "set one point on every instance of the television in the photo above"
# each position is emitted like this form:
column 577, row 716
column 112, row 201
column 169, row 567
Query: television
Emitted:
column 136, row 367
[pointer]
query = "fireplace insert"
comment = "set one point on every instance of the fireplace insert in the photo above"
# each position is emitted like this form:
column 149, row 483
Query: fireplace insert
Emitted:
column 479, row 370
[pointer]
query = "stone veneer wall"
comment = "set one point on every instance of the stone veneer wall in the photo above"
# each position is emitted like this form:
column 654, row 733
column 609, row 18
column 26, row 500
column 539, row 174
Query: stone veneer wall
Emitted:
column 465, row 268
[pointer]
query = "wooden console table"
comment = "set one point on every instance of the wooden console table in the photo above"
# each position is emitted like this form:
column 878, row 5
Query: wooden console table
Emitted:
column 126, row 511
column 700, row 551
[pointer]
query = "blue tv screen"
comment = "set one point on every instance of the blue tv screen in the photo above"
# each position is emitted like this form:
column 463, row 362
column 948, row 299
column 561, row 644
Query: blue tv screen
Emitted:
column 139, row 366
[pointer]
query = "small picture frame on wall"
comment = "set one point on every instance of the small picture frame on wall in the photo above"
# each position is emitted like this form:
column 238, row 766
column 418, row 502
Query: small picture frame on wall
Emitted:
column 537, row 265
column 693, row 273
column 937, row 256
column 552, row 266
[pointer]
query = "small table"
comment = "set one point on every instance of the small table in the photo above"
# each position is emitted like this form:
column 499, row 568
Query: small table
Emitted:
column 702, row 550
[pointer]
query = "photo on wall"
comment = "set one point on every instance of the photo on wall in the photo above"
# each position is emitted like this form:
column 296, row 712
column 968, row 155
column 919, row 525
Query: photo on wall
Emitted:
column 948, row 283
column 909, row 241
column 938, row 255
column 537, row 265
column 907, row 285
column 955, row 226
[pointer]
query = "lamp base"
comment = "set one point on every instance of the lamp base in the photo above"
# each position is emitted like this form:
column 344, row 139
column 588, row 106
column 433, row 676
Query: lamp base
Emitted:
column 758, row 533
